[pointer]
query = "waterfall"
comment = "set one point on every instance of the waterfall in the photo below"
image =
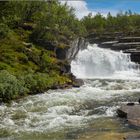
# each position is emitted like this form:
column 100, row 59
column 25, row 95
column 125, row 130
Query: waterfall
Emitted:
column 99, row 62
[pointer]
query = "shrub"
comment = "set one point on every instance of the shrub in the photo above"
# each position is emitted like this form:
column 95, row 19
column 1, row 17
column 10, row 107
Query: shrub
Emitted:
column 37, row 82
column 4, row 66
column 30, row 82
column 10, row 86
column 3, row 30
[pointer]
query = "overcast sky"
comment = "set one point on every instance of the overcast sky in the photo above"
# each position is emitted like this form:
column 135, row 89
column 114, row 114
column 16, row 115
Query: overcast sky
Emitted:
column 83, row 7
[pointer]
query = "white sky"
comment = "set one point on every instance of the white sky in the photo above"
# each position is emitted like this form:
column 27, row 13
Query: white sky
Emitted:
column 80, row 7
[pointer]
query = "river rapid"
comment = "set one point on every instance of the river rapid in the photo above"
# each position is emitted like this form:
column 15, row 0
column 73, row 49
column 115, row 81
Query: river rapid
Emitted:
column 85, row 113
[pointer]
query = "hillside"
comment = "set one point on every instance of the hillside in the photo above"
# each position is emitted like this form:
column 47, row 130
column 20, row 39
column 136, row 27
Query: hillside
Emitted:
column 30, row 34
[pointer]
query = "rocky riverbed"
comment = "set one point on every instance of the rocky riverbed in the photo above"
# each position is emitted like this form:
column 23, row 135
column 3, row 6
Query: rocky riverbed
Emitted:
column 131, row 112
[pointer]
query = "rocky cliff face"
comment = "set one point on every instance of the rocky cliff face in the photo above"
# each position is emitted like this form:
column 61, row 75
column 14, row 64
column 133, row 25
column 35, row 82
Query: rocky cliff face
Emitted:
column 128, row 43
column 76, row 45
column 65, row 53
column 68, row 53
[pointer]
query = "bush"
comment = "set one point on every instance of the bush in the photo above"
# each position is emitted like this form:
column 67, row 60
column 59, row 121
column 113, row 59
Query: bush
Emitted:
column 37, row 82
column 4, row 30
column 10, row 86
column 30, row 82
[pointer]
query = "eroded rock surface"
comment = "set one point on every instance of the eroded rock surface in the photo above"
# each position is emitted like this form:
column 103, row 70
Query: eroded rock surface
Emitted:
column 131, row 113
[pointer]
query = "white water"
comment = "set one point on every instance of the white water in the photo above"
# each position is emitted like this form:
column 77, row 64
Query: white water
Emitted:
column 113, row 79
column 95, row 62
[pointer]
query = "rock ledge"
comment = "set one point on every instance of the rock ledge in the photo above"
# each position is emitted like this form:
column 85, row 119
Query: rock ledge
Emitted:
column 131, row 113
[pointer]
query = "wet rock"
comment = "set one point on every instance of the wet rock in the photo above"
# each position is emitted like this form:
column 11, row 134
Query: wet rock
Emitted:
column 135, row 54
column 70, row 51
column 77, row 45
column 64, row 86
column 131, row 104
column 126, row 45
column 107, row 44
column 131, row 113
column 121, row 113
column 78, row 83
column 129, row 39
column 66, row 68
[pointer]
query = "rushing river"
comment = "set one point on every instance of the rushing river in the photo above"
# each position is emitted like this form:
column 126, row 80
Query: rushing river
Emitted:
column 85, row 113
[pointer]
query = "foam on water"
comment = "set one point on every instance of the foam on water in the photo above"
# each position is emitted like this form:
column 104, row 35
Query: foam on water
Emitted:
column 56, row 110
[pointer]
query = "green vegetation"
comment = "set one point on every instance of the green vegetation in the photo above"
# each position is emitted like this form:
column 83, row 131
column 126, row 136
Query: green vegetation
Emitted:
column 123, row 22
column 28, row 64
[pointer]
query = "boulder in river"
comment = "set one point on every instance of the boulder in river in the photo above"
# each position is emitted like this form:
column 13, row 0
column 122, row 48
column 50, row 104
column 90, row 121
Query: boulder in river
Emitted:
column 131, row 113
column 78, row 83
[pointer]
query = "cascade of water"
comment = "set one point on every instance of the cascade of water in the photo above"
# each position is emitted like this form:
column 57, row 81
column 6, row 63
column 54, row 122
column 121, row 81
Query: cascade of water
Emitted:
column 95, row 62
